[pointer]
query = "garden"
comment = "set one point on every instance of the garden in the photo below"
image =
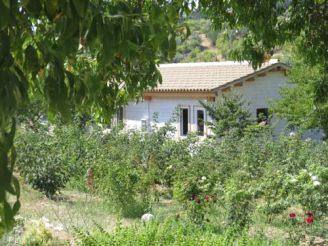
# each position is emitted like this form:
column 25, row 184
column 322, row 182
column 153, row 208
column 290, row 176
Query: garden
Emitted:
column 67, row 180
column 83, row 185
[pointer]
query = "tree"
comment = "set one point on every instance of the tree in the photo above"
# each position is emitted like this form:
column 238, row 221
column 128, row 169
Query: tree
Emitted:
column 268, row 24
column 228, row 114
column 299, row 103
column 265, row 25
column 90, row 54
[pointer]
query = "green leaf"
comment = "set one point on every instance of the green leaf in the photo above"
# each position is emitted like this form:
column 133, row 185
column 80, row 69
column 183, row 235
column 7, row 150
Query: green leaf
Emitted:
column 80, row 7
column 17, row 187
column 51, row 8
column 31, row 59
column 16, row 207
column 4, row 44
column 6, row 3
column 34, row 7
column 8, row 215
column 4, row 16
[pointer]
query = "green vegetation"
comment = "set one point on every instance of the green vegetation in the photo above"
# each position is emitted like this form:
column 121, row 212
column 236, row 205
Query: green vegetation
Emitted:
column 301, row 103
column 87, row 56
column 204, row 43
column 200, row 45
column 170, row 232
column 269, row 25
column 229, row 113
column 243, row 186
column 37, row 235
column 92, row 56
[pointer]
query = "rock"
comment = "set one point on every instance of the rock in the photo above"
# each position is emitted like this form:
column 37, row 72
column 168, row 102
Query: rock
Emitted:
column 147, row 217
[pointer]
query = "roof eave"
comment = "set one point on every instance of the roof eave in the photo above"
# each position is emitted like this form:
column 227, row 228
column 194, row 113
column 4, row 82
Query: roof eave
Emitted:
column 251, row 75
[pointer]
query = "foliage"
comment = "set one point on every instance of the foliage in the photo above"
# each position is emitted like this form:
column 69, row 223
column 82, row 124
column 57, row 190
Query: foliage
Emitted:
column 40, row 162
column 77, row 54
column 300, row 104
column 170, row 232
column 200, row 45
column 268, row 25
column 273, row 23
column 254, row 173
column 228, row 114
column 36, row 234
column 129, row 177
column 51, row 156
column 194, row 187
column 8, row 183
column 225, row 187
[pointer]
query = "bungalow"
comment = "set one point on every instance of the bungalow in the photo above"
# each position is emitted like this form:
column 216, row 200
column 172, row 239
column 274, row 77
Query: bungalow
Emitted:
column 185, row 84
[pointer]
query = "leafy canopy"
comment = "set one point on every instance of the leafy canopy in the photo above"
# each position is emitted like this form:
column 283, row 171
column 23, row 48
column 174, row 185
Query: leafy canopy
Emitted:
column 91, row 55
column 229, row 114
column 266, row 25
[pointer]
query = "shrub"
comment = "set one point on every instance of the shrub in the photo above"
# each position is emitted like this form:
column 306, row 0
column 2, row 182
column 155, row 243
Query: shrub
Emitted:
column 36, row 234
column 125, row 172
column 194, row 187
column 41, row 163
column 50, row 156
column 170, row 232
column 229, row 114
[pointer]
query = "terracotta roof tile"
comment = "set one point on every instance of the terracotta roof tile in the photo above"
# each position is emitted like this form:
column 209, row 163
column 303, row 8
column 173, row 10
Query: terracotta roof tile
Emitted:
column 203, row 76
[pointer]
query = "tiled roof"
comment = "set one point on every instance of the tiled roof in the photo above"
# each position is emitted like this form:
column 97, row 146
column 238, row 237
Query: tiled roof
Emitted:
column 203, row 76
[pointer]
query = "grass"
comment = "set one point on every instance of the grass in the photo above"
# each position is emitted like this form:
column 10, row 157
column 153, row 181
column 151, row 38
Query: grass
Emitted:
column 74, row 209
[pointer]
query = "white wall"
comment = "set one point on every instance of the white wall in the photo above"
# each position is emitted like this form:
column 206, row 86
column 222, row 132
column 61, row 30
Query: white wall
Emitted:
column 260, row 93
column 165, row 109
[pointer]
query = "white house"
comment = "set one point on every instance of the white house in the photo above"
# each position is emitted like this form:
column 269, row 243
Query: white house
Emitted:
column 185, row 84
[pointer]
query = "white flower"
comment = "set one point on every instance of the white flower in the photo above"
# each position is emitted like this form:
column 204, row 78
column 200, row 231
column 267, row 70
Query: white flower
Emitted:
column 170, row 167
column 292, row 134
column 44, row 219
column 106, row 131
column 314, row 178
column 316, row 183
column 203, row 178
column 147, row 217
column 293, row 180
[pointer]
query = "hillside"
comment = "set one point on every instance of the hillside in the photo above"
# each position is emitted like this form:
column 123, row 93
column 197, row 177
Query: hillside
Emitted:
column 207, row 45
column 201, row 45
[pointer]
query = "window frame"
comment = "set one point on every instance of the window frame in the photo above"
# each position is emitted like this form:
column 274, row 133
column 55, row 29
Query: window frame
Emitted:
column 199, row 133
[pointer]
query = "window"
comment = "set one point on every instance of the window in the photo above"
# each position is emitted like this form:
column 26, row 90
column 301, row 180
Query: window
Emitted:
column 184, row 121
column 200, row 122
column 262, row 115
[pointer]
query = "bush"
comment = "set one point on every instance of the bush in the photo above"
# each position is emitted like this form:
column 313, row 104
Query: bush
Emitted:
column 229, row 114
column 194, row 187
column 170, row 232
column 130, row 168
column 51, row 156
column 37, row 235
column 41, row 163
